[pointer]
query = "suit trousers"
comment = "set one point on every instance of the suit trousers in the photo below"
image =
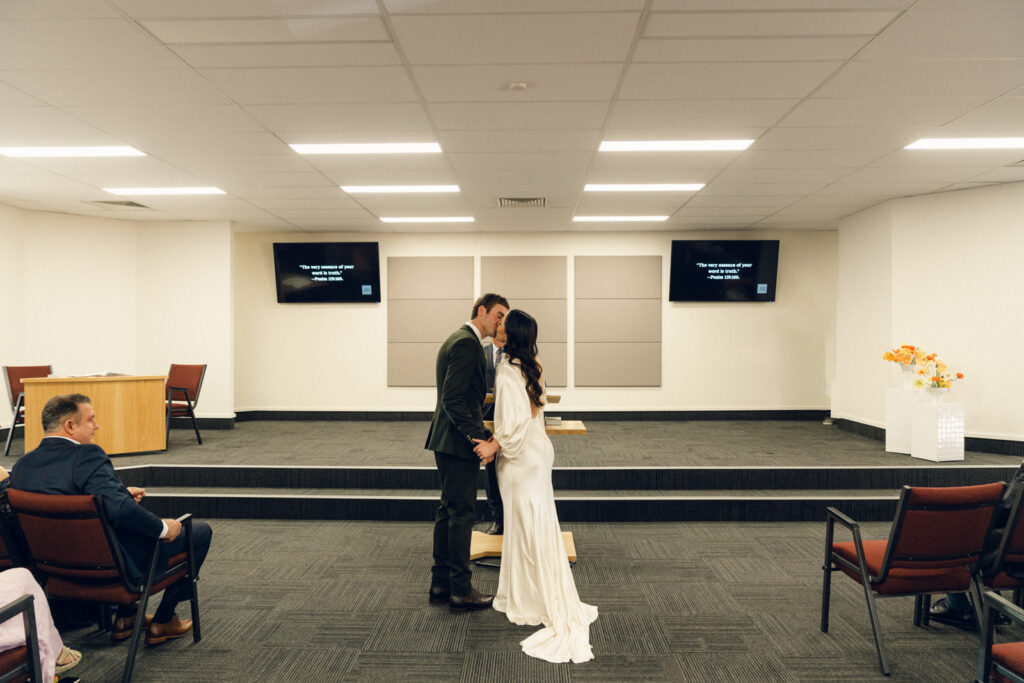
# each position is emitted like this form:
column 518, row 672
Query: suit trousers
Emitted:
column 453, row 525
column 202, row 534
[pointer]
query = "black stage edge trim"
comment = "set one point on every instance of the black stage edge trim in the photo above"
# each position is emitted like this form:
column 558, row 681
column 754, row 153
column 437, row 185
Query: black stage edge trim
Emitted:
column 664, row 480
column 605, row 415
column 971, row 443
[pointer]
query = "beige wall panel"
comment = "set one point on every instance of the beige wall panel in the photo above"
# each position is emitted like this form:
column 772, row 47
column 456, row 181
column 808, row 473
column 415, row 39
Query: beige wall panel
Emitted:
column 618, row 320
column 554, row 357
column 412, row 365
column 618, row 365
column 524, row 277
column 551, row 316
column 411, row 320
column 416, row 277
column 618, row 277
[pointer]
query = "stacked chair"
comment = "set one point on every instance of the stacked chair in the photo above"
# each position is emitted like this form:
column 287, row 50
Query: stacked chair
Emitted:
column 1005, row 661
column 14, row 376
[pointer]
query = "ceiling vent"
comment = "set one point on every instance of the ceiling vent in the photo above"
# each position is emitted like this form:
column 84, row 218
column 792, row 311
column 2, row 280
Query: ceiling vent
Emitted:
column 118, row 204
column 514, row 202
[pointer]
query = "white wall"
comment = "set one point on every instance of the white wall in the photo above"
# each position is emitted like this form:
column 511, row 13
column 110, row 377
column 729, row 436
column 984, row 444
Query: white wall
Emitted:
column 89, row 295
column 726, row 356
column 956, row 289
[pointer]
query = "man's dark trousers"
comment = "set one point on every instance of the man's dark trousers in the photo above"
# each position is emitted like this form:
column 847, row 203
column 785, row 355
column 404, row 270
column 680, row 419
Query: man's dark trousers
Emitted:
column 453, row 525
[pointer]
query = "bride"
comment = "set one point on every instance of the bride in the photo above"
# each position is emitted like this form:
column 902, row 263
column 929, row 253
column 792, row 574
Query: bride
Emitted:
column 535, row 585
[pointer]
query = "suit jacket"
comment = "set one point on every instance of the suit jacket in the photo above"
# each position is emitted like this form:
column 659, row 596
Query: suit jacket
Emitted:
column 461, row 386
column 59, row 466
column 488, row 408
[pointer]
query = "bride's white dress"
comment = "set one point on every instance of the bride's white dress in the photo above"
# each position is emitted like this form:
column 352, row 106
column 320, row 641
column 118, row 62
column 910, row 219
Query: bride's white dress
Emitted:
column 535, row 585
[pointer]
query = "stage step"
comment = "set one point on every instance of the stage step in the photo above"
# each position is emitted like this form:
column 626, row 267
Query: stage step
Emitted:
column 581, row 494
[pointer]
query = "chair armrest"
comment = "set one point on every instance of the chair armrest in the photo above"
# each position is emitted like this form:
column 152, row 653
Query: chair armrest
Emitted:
column 16, row 606
column 834, row 515
column 1000, row 604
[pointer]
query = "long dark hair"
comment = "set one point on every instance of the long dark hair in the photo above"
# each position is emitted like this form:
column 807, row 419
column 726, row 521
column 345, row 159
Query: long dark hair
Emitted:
column 521, row 330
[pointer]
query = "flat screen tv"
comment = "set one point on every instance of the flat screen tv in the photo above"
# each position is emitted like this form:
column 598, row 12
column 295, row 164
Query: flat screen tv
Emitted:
column 723, row 270
column 327, row 272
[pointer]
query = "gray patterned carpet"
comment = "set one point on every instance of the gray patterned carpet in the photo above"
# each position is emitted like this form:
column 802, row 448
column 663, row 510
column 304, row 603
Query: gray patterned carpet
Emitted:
column 345, row 601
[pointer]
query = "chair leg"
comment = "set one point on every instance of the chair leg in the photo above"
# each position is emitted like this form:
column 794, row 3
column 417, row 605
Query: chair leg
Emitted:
column 876, row 629
column 167, row 439
column 133, row 647
column 195, row 424
column 10, row 437
column 193, row 575
column 826, row 579
column 14, row 423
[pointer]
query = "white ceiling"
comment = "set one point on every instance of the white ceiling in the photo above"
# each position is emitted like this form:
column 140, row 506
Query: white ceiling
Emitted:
column 215, row 90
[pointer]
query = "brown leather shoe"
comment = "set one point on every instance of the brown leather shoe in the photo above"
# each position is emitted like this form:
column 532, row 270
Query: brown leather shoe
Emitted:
column 175, row 628
column 122, row 628
column 469, row 602
column 439, row 595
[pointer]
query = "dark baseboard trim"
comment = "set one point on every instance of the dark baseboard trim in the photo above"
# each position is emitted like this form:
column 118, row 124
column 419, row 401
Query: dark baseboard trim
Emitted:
column 971, row 443
column 597, row 415
column 204, row 423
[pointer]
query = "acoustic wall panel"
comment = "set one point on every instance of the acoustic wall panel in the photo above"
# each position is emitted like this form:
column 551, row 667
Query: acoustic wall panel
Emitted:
column 428, row 298
column 537, row 285
column 617, row 314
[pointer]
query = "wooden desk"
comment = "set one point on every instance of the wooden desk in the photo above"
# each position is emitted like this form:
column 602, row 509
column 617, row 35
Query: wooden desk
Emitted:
column 566, row 427
column 131, row 411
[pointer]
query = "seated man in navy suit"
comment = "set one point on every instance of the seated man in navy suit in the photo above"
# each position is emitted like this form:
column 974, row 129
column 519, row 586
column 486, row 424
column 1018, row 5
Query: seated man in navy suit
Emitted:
column 68, row 463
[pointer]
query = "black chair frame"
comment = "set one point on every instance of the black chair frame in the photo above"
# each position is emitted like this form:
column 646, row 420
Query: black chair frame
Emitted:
column 995, row 604
column 25, row 606
column 152, row 576
column 189, row 404
column 19, row 419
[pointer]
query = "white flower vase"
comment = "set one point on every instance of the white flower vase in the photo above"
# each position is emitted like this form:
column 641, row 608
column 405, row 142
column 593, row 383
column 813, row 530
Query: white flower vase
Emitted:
column 938, row 394
column 909, row 374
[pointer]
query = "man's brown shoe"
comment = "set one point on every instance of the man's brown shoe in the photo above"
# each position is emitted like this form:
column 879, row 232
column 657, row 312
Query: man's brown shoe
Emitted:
column 439, row 595
column 469, row 602
column 175, row 628
column 122, row 628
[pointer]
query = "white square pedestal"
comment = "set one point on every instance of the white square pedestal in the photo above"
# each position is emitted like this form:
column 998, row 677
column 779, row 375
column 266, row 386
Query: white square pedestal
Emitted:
column 898, row 406
column 937, row 431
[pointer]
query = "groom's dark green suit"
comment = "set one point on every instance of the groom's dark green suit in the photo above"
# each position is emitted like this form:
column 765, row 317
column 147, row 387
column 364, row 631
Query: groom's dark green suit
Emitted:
column 458, row 419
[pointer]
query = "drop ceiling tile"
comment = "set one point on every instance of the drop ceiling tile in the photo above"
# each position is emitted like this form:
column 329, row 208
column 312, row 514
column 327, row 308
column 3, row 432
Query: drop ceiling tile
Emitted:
column 205, row 144
column 630, row 203
column 694, row 113
column 414, row 205
column 733, row 5
column 518, row 116
column 928, row 174
column 508, row 6
column 339, row 204
column 274, row 181
column 327, row 191
column 384, row 176
column 289, row 55
column 747, row 49
column 766, row 23
column 314, row 85
column 115, row 87
column 349, row 167
column 1010, row 174
column 607, row 172
column 515, row 38
column 30, row 126
column 168, row 177
column 519, row 161
column 725, row 80
column 345, row 122
column 454, row 141
column 779, row 175
column 322, row 214
column 190, row 9
column 167, row 118
column 874, row 189
column 724, row 189
column 207, row 164
column 268, row 30
column 57, row 9
column 10, row 96
column 843, row 158
column 9, row 166
column 79, row 166
column 838, row 138
column 887, row 112
column 926, row 78
column 78, row 44
column 520, row 183
column 482, row 83
column 754, row 203
column 968, row 32
column 1002, row 118
column 921, row 158
column 671, row 164
column 42, row 184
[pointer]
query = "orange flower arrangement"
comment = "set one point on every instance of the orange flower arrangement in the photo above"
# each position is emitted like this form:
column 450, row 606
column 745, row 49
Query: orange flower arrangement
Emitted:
column 931, row 370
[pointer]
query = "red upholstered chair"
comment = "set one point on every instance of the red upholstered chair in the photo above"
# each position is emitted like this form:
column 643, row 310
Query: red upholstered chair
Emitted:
column 1008, row 555
column 77, row 555
column 933, row 547
column 13, row 380
column 183, row 385
column 22, row 663
column 1004, row 661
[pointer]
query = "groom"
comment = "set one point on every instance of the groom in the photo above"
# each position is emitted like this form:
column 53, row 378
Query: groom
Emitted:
column 457, row 427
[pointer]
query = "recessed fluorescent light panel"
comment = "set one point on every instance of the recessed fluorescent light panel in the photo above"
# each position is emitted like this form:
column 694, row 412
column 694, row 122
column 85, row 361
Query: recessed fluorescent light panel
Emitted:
column 644, row 187
column 398, row 189
column 162, row 190
column 371, row 148
column 426, row 219
column 967, row 143
column 618, row 219
column 56, row 152
column 673, row 145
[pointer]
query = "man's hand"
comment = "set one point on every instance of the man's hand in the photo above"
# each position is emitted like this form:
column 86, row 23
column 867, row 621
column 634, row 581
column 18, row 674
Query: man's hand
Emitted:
column 486, row 449
column 173, row 529
column 137, row 493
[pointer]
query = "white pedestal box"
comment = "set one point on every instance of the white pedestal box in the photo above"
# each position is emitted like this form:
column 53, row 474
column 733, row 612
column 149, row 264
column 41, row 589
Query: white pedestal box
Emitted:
column 937, row 431
column 898, row 406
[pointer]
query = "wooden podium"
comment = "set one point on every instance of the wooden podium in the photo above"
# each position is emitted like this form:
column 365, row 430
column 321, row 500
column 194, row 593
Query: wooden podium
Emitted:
column 131, row 411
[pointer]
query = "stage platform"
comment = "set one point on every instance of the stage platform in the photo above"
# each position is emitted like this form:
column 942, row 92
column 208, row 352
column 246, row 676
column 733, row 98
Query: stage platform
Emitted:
column 619, row 471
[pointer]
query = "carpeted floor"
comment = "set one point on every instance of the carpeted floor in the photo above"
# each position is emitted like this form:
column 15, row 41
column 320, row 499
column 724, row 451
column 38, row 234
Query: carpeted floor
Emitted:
column 346, row 601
